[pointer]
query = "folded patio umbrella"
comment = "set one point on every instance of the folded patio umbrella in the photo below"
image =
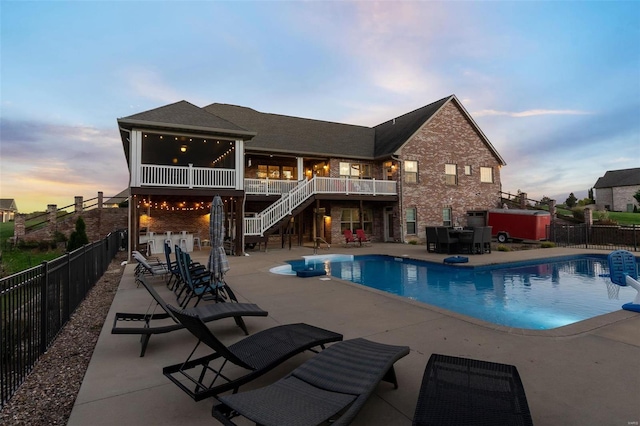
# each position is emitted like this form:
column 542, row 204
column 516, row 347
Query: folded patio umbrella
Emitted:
column 218, row 263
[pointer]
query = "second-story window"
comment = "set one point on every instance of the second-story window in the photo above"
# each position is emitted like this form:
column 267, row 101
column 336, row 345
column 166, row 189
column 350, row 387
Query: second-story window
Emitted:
column 486, row 174
column 355, row 170
column 411, row 171
column 451, row 174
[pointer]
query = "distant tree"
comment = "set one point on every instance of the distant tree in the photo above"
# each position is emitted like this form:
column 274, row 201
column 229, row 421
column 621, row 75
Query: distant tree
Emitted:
column 590, row 194
column 544, row 201
column 571, row 201
column 637, row 196
column 78, row 238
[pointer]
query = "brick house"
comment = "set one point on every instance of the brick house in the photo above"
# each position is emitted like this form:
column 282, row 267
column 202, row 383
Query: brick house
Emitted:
column 302, row 179
column 615, row 190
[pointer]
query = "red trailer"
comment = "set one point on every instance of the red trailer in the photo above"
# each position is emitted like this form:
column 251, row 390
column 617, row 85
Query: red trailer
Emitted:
column 515, row 224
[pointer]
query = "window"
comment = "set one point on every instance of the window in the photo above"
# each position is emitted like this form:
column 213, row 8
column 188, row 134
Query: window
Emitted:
column 447, row 217
column 355, row 170
column 486, row 174
column 451, row 174
column 350, row 219
column 411, row 171
column 411, row 220
column 467, row 170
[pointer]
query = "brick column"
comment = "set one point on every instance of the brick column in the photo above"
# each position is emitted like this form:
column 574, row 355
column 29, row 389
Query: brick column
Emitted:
column 523, row 200
column 552, row 209
column 78, row 206
column 100, row 199
column 588, row 217
column 19, row 227
column 52, row 218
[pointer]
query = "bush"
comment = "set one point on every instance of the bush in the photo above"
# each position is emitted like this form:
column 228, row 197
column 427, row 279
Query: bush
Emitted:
column 413, row 242
column 502, row 247
column 78, row 238
column 547, row 244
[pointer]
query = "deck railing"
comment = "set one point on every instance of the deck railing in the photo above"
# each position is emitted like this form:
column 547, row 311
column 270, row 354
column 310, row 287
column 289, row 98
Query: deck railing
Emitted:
column 268, row 186
column 186, row 176
column 318, row 185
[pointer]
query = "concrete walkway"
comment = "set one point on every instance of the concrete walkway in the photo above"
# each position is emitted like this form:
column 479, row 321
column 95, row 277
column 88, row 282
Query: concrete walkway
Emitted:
column 583, row 374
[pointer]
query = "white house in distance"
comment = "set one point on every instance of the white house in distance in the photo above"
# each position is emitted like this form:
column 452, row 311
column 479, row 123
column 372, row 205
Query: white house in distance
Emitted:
column 615, row 190
column 8, row 209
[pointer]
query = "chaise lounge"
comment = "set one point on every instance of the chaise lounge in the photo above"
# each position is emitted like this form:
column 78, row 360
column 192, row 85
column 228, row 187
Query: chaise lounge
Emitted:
column 331, row 387
column 258, row 353
column 154, row 322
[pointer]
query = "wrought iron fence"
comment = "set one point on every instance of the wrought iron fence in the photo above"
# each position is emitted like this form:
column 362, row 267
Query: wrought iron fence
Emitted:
column 35, row 304
column 605, row 237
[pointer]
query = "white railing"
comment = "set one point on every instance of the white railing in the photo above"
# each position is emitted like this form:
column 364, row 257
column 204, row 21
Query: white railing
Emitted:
column 186, row 176
column 305, row 189
column 268, row 186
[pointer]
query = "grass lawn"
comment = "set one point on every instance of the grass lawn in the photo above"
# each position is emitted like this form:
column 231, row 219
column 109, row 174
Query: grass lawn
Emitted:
column 14, row 259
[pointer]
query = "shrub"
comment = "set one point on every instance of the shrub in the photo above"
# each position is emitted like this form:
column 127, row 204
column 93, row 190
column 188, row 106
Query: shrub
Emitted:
column 547, row 244
column 502, row 247
column 413, row 242
column 78, row 238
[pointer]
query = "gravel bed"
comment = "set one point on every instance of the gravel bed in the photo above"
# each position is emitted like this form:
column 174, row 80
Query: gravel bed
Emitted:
column 47, row 395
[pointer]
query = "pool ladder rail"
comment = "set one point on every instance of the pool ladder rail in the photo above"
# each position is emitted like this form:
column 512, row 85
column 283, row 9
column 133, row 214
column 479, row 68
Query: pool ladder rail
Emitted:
column 316, row 244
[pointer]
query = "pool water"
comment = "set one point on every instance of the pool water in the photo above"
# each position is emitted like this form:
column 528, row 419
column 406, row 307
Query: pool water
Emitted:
column 534, row 295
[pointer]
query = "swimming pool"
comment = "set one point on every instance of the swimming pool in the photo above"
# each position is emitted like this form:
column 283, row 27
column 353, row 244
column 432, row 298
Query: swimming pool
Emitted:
column 544, row 294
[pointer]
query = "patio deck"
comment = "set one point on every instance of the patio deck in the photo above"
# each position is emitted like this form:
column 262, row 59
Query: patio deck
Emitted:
column 582, row 374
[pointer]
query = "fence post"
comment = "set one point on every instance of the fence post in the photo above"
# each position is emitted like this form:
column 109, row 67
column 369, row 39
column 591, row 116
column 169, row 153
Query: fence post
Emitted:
column 52, row 217
column 44, row 307
column 100, row 199
column 19, row 227
column 78, row 204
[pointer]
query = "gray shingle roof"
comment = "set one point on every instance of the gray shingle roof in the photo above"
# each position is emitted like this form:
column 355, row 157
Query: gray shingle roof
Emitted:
column 392, row 134
column 184, row 115
column 282, row 133
column 614, row 178
column 8, row 204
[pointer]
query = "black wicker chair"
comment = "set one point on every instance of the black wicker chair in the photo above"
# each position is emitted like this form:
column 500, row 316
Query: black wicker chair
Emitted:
column 332, row 386
column 258, row 353
column 154, row 322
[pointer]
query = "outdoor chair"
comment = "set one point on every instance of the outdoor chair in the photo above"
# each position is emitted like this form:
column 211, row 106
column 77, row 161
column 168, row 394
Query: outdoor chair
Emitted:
column 486, row 239
column 146, row 268
column 432, row 239
column 463, row 391
column 447, row 244
column 154, row 324
column 362, row 237
column 257, row 354
column 196, row 282
column 173, row 268
column 465, row 242
column 330, row 387
column 478, row 240
column 348, row 236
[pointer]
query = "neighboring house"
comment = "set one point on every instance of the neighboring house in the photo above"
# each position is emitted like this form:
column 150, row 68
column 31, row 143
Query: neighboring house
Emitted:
column 8, row 209
column 615, row 190
column 304, row 178
column 118, row 199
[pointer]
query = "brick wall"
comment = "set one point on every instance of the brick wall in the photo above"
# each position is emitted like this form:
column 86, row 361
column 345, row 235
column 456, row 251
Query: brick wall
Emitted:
column 192, row 221
column 99, row 223
column 449, row 138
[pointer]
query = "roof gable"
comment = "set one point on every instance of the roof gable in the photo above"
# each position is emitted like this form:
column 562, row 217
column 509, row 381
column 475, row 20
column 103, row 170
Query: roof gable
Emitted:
column 624, row 177
column 8, row 204
column 282, row 133
column 183, row 115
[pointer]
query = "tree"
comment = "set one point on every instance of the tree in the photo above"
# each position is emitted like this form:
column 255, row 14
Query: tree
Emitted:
column 571, row 201
column 78, row 238
column 637, row 196
column 590, row 194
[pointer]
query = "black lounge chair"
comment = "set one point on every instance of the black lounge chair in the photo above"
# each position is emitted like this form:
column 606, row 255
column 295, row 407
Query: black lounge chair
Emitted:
column 258, row 353
column 330, row 387
column 207, row 313
column 463, row 391
column 147, row 267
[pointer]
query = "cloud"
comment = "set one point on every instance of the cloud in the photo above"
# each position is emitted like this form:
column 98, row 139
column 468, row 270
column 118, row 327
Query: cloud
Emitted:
column 530, row 113
column 149, row 84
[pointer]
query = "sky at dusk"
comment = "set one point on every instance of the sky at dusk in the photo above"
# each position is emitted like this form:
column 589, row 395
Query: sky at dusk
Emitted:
column 555, row 86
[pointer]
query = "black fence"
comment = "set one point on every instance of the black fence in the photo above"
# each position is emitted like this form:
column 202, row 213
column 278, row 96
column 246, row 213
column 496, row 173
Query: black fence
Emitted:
column 605, row 237
column 35, row 304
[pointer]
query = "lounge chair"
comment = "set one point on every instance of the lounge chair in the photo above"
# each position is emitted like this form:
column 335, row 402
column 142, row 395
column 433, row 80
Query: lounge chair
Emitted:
column 258, row 353
column 330, row 387
column 144, row 267
column 173, row 268
column 348, row 237
column 623, row 271
column 198, row 284
column 463, row 391
column 154, row 324
column 362, row 237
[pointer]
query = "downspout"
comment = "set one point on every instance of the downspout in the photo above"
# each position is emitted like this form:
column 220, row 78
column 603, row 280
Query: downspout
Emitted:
column 401, row 215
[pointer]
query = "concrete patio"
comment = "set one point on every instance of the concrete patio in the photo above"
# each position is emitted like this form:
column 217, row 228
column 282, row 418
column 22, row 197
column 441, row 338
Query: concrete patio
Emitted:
column 582, row 374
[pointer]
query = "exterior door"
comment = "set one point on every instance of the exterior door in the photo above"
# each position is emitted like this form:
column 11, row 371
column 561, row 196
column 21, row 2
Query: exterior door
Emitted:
column 388, row 224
